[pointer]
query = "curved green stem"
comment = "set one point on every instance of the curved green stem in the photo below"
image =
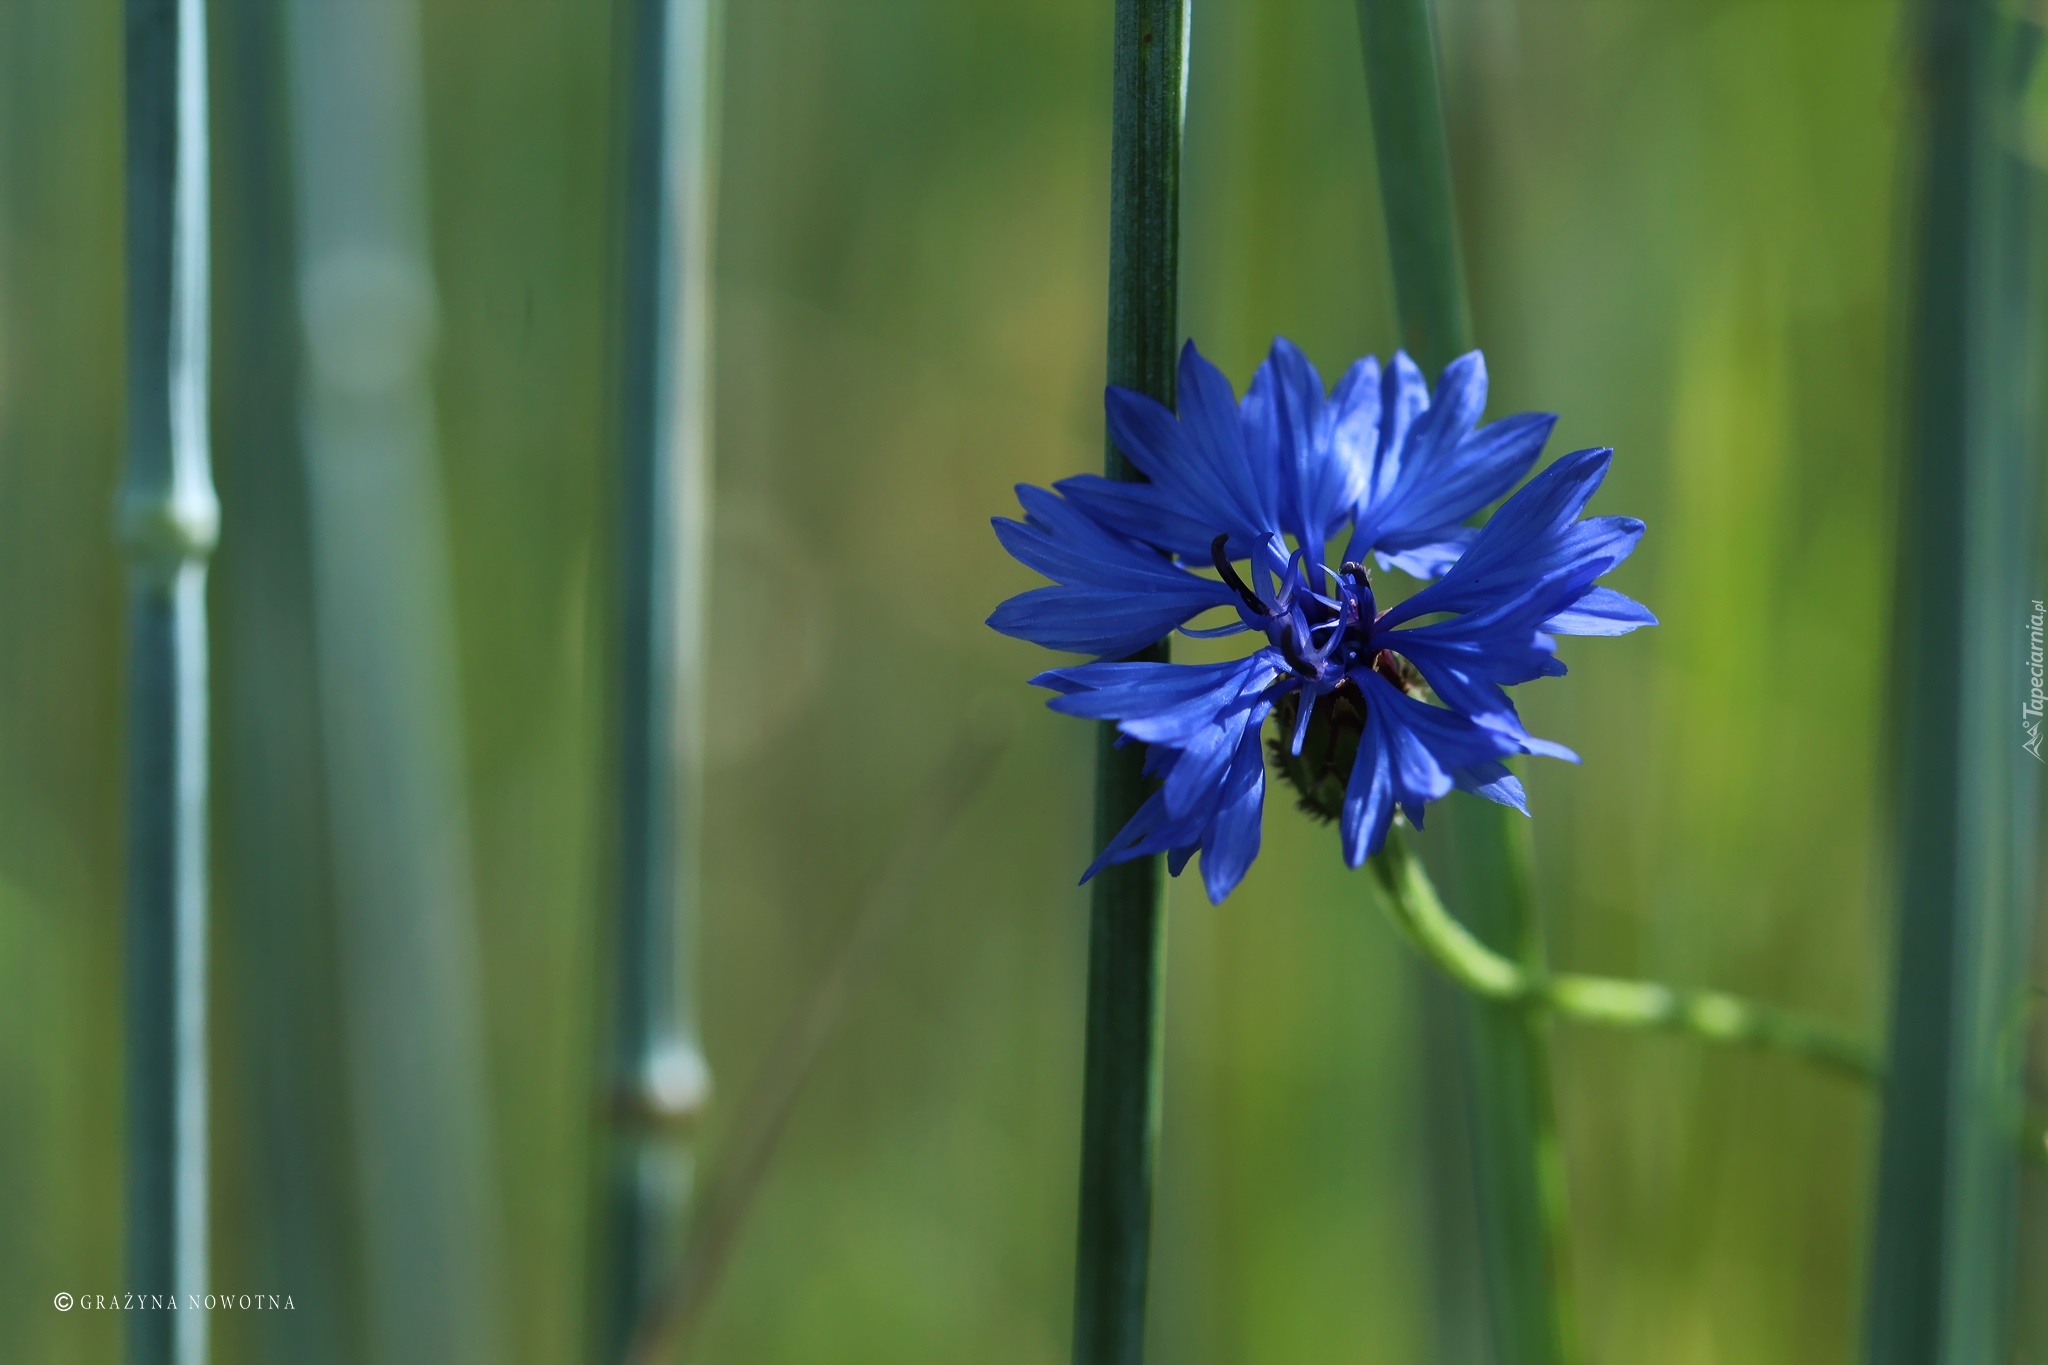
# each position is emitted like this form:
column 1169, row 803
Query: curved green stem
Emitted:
column 1418, row 912
column 1715, row 1016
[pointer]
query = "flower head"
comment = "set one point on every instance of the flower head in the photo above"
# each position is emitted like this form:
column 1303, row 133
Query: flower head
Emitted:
column 1375, row 710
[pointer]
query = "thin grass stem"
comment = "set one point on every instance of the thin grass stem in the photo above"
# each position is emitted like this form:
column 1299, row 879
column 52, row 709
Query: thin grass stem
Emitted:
column 168, row 522
column 656, row 1068
column 1127, row 935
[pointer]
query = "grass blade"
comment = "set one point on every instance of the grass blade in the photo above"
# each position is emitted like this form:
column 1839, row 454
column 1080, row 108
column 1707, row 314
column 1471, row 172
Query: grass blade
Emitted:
column 1127, row 933
column 1941, row 1275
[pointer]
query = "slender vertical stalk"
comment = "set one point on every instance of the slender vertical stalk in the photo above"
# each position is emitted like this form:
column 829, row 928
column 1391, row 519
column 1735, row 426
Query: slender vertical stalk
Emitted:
column 276, row 908
column 391, row 721
column 1414, row 156
column 1518, row 1181
column 1518, row 1166
column 168, row 521
column 658, row 1075
column 1941, row 1275
column 1127, row 933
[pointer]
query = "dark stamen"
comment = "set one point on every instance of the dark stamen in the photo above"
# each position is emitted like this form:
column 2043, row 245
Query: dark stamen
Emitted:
column 1237, row 585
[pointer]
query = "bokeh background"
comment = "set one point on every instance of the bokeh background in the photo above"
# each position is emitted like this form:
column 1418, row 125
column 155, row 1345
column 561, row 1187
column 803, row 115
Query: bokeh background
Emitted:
column 1681, row 221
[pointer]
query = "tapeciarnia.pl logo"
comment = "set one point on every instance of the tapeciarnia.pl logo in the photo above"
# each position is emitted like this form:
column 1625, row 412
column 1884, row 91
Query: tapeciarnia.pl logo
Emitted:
column 2037, row 698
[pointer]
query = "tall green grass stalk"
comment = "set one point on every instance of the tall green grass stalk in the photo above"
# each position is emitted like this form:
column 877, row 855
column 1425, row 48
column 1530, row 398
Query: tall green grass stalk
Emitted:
column 656, row 1067
column 1967, row 797
column 1127, row 930
column 276, row 911
column 418, row 1102
column 1518, row 1177
column 168, row 521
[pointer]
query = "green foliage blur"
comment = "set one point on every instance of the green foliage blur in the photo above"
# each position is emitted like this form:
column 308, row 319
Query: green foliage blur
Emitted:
column 1680, row 223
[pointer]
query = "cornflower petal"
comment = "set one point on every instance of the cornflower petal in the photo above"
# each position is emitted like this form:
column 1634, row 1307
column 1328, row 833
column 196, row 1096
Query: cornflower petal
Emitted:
column 1114, row 596
column 1161, row 703
column 1427, row 560
column 1460, row 479
column 1223, row 826
column 1140, row 511
column 1407, row 756
column 1092, row 620
column 1440, row 428
column 1534, row 558
column 1320, row 477
column 1463, row 679
column 1233, row 840
column 1404, row 396
column 1197, row 463
column 1601, row 611
column 1215, row 430
column 1354, row 418
column 1494, row 782
column 1436, row 470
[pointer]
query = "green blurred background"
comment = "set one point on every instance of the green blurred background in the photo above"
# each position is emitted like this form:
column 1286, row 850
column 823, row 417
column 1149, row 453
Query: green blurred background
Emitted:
column 1681, row 223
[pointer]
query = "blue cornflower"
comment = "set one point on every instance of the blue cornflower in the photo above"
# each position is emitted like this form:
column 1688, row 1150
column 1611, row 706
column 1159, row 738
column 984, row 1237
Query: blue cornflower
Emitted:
column 1376, row 709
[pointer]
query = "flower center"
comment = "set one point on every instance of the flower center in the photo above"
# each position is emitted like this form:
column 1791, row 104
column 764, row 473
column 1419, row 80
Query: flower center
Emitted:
column 1320, row 771
column 1325, row 639
column 1320, row 635
column 1336, row 720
